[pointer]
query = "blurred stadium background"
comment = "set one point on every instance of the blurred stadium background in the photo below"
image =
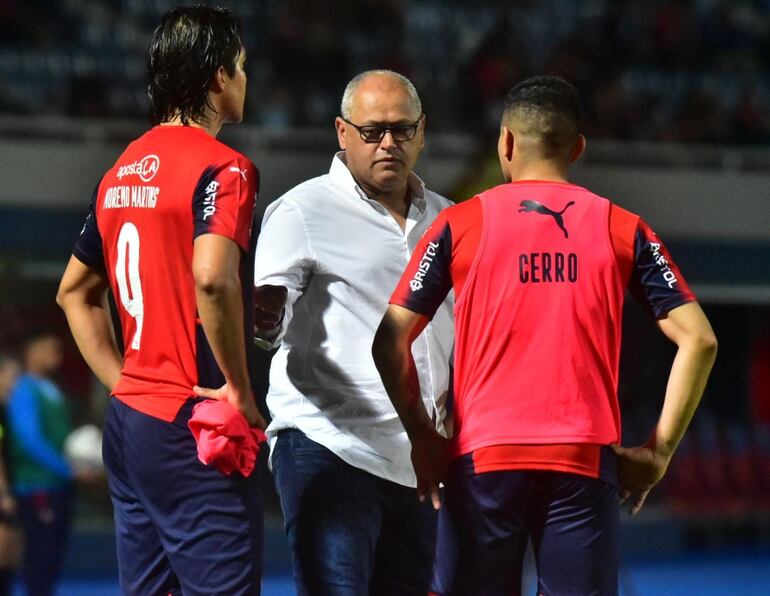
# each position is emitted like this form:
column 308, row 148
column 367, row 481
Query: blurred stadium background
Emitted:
column 677, row 113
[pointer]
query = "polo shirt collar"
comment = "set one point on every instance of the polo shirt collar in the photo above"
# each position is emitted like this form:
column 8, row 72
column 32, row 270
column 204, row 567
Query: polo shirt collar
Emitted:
column 341, row 175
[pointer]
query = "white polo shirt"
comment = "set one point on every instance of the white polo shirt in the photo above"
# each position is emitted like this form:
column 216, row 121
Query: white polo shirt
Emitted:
column 340, row 255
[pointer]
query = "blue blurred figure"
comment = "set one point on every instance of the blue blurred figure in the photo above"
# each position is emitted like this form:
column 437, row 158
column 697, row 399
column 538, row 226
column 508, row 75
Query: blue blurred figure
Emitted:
column 38, row 420
column 9, row 538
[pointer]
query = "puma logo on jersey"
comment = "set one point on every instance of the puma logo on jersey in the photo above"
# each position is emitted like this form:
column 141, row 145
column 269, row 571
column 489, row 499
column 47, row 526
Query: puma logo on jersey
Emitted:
column 527, row 206
column 241, row 172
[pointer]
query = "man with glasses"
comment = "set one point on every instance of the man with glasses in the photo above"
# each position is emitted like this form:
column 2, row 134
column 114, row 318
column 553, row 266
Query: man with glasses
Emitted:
column 330, row 253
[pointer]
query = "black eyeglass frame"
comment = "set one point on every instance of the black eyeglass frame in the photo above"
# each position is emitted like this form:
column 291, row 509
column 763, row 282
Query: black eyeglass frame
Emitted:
column 410, row 130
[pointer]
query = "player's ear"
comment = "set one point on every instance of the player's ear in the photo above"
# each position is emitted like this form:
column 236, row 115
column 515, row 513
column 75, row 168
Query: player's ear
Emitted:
column 578, row 149
column 340, row 125
column 505, row 143
column 219, row 80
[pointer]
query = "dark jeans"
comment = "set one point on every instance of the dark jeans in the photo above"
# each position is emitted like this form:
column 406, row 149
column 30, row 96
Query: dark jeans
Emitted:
column 351, row 533
column 45, row 519
column 182, row 527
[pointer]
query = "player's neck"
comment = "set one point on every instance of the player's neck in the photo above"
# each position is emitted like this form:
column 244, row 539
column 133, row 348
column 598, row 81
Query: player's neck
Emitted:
column 549, row 171
column 212, row 124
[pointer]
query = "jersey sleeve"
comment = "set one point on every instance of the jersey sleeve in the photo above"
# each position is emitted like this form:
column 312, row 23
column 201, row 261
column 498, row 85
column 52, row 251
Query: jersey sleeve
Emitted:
column 656, row 281
column 88, row 247
column 428, row 277
column 223, row 201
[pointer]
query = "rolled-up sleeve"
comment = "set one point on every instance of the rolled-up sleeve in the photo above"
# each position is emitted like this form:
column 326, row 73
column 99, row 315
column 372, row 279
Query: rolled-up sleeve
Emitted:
column 284, row 256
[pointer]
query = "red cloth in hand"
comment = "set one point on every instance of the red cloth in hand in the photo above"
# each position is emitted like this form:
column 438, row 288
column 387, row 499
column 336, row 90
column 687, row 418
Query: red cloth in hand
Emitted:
column 224, row 437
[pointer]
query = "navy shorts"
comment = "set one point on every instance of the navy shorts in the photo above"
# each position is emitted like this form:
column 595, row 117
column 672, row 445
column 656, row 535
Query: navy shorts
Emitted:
column 572, row 521
column 181, row 527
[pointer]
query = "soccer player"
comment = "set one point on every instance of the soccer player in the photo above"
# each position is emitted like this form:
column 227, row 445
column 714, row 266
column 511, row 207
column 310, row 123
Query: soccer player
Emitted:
column 539, row 267
column 169, row 232
column 330, row 253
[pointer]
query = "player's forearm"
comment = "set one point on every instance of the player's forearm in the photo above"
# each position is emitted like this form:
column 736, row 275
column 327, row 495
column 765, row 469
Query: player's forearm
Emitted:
column 686, row 383
column 395, row 363
column 39, row 450
column 91, row 327
column 220, row 307
column 82, row 296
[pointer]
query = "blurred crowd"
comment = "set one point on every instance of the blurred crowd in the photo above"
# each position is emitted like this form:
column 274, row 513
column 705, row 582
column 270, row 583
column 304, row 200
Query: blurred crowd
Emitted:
column 723, row 463
column 692, row 71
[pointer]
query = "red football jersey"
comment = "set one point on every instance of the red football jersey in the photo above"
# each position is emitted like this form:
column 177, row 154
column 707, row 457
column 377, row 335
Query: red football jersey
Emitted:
column 169, row 186
column 539, row 271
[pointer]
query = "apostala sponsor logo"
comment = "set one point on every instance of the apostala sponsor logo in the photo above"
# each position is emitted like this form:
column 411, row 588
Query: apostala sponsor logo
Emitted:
column 145, row 168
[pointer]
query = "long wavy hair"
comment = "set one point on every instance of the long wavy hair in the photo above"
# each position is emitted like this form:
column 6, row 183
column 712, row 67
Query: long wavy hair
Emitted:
column 187, row 49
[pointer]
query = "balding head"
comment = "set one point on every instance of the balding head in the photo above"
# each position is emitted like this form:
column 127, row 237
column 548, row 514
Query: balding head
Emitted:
column 381, row 131
column 370, row 83
column 544, row 115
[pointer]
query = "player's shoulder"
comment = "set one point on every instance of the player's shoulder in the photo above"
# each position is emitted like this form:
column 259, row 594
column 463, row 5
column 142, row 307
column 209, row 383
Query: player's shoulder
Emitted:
column 621, row 220
column 221, row 154
column 468, row 209
column 589, row 195
column 191, row 146
column 459, row 217
column 195, row 144
column 621, row 213
column 494, row 191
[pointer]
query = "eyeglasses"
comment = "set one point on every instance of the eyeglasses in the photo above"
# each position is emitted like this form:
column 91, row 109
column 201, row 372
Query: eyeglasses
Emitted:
column 374, row 133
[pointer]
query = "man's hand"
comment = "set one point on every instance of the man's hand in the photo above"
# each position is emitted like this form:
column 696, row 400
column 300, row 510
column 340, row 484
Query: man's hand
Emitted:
column 88, row 475
column 269, row 303
column 639, row 469
column 243, row 401
column 429, row 458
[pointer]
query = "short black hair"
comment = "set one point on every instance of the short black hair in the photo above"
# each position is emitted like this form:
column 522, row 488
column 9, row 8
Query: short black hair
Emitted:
column 35, row 335
column 548, row 107
column 8, row 358
column 186, row 50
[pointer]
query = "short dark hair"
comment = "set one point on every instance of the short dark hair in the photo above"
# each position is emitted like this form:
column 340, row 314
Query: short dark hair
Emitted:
column 7, row 358
column 548, row 107
column 187, row 49
column 35, row 335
